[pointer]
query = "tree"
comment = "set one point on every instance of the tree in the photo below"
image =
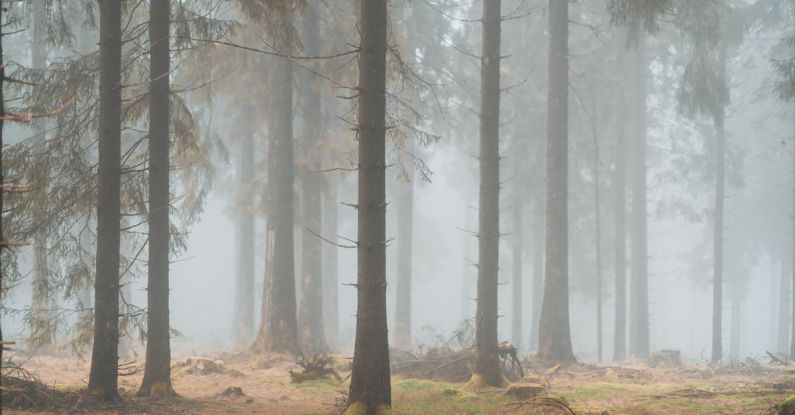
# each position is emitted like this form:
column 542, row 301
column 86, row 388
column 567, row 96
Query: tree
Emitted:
column 103, row 377
column 487, row 365
column 310, row 317
column 157, row 370
column 620, row 331
column 554, row 332
column 370, row 390
column 279, row 327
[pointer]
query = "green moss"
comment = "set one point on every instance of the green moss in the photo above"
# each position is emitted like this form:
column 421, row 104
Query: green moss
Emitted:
column 787, row 407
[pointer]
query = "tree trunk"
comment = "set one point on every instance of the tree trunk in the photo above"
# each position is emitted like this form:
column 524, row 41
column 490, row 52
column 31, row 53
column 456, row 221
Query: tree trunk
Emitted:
column 598, row 242
column 405, row 194
column 620, row 331
column 245, row 229
column 103, row 377
column 538, row 270
column 784, row 294
column 737, row 300
column 157, row 370
column 279, row 327
column 554, row 333
column 720, row 184
column 517, row 235
column 370, row 390
column 331, row 262
column 42, row 329
column 639, row 294
column 487, row 365
column 792, row 250
column 310, row 317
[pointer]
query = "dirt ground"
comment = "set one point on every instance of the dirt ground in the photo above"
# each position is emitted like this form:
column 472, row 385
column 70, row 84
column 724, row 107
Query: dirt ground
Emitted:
column 587, row 389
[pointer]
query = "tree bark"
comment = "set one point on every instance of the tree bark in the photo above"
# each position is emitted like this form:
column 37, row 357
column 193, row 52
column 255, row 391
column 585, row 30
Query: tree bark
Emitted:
column 487, row 365
column 245, row 237
column 554, row 332
column 720, row 184
column 370, row 390
column 278, row 330
column 157, row 370
column 310, row 317
column 103, row 377
column 639, row 294
column 620, row 331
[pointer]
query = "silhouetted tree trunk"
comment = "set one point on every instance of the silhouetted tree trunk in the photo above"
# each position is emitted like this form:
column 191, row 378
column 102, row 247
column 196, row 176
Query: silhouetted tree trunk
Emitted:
column 103, row 377
column 244, row 229
column 43, row 333
column 310, row 317
column 279, row 327
column 639, row 289
column 554, row 333
column 370, row 389
column 331, row 262
column 517, row 240
column 487, row 365
column 720, row 184
column 157, row 371
column 620, row 331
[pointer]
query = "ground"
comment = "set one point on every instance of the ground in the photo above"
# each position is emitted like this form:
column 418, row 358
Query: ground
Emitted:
column 588, row 389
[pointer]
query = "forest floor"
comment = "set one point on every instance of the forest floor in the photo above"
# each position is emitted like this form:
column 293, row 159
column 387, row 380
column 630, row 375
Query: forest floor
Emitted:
column 264, row 381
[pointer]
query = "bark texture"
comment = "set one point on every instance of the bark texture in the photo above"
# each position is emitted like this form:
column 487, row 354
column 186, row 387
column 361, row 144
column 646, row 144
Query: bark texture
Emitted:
column 370, row 390
column 487, row 365
column 157, row 370
column 278, row 330
column 554, row 332
column 103, row 378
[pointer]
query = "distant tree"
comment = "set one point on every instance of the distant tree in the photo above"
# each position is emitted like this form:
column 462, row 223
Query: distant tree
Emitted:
column 370, row 390
column 554, row 331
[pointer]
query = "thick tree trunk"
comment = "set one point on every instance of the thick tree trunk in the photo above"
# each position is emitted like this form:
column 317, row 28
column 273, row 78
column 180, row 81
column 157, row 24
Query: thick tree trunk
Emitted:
column 518, row 253
column 331, row 262
column 720, row 184
column 278, row 330
column 157, row 371
column 487, row 365
column 620, row 331
column 103, row 377
column 42, row 329
column 639, row 294
column 370, row 390
column 554, row 332
column 310, row 317
column 245, row 231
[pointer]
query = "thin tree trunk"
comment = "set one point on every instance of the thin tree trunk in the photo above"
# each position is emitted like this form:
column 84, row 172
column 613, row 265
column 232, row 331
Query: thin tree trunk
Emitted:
column 278, row 330
column 538, row 270
column 370, row 390
column 157, row 370
column 736, row 322
column 331, row 262
column 518, row 240
column 405, row 215
column 554, row 332
column 784, row 294
column 598, row 242
column 639, row 294
column 620, row 331
column 103, row 377
column 310, row 317
column 245, row 230
column 720, row 184
column 487, row 365
column 792, row 250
